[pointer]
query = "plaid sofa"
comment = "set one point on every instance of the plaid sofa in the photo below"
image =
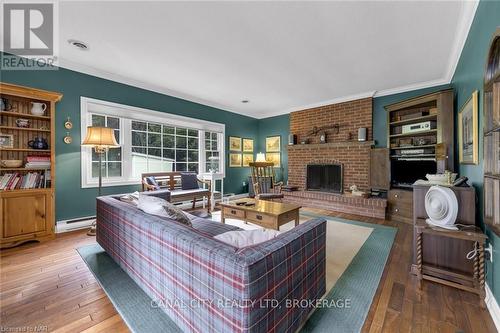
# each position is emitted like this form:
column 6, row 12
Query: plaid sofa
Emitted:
column 205, row 285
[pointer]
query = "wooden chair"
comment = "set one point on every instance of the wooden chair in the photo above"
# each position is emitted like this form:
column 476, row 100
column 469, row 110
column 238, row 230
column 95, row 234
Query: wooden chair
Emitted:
column 264, row 181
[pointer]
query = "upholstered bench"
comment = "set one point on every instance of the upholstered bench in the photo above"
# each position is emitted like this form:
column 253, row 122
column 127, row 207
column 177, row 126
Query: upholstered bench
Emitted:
column 182, row 186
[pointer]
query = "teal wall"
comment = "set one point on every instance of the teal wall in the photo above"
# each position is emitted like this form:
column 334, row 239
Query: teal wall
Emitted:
column 468, row 77
column 272, row 126
column 71, row 200
column 380, row 115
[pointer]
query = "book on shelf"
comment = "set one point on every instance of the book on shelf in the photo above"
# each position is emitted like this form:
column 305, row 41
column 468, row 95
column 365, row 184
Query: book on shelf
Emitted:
column 36, row 158
column 17, row 181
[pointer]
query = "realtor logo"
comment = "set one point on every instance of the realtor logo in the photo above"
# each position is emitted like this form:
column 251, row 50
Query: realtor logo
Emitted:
column 29, row 31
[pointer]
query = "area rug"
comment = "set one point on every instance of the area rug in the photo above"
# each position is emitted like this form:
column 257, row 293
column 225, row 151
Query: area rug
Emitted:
column 356, row 254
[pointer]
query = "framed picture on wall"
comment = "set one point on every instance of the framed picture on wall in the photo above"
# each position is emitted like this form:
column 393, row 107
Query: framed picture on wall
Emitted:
column 468, row 131
column 273, row 144
column 248, row 145
column 247, row 159
column 234, row 160
column 274, row 158
column 234, row 143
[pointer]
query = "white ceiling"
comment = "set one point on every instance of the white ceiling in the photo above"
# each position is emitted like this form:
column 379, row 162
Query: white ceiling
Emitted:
column 282, row 56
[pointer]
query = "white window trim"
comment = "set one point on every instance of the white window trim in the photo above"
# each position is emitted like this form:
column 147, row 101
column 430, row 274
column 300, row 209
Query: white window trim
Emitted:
column 91, row 105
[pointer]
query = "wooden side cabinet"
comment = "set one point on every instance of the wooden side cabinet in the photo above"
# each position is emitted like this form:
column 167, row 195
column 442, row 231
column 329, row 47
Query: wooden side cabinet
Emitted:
column 400, row 205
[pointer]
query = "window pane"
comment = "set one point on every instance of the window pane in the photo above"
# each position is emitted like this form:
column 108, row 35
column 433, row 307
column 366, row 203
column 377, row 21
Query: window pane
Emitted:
column 95, row 169
column 138, row 139
column 208, row 146
column 207, row 135
column 214, row 145
column 180, row 131
column 117, row 135
column 154, row 152
column 113, row 123
column 214, row 136
column 169, row 153
column 193, row 156
column 137, row 150
column 138, row 125
column 181, row 142
column 193, row 167
column 114, row 169
column 181, row 155
column 168, row 130
column 98, row 120
column 193, row 143
column 168, row 141
column 180, row 166
column 154, row 140
column 193, row 133
column 95, row 156
column 208, row 154
column 154, row 128
column 115, row 154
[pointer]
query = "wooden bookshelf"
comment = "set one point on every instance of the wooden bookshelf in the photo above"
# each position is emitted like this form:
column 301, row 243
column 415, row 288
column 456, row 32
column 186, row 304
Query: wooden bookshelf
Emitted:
column 491, row 137
column 27, row 214
column 437, row 143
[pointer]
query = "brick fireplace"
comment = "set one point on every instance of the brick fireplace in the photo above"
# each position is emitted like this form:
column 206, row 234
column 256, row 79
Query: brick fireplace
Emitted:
column 341, row 148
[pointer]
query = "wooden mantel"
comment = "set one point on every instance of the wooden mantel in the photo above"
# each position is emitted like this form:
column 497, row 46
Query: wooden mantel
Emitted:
column 345, row 144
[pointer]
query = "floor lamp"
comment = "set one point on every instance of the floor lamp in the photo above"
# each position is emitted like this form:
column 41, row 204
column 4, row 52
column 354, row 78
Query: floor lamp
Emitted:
column 101, row 139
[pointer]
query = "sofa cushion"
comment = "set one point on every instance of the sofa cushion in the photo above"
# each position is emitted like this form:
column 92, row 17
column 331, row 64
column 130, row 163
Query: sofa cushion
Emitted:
column 208, row 227
column 245, row 238
column 164, row 194
column 176, row 214
column 151, row 205
column 189, row 181
column 132, row 198
column 152, row 181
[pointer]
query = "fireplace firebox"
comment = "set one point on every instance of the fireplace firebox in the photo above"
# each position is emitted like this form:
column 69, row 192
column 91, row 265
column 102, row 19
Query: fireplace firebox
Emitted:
column 324, row 178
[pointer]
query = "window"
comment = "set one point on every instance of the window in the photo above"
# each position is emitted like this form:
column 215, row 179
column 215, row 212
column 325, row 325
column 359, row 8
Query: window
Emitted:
column 150, row 141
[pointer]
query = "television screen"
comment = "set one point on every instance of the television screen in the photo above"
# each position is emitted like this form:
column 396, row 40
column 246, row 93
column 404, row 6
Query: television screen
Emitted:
column 405, row 173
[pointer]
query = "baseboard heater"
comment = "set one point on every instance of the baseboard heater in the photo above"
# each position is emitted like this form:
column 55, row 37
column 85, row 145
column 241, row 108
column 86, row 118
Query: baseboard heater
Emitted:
column 74, row 224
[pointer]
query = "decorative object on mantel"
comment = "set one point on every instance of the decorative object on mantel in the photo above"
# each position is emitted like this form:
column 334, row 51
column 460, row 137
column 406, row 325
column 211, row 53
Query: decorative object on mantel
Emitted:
column 322, row 137
column 68, row 124
column 362, row 134
column 292, row 139
column 317, row 130
column 468, row 131
column 304, row 141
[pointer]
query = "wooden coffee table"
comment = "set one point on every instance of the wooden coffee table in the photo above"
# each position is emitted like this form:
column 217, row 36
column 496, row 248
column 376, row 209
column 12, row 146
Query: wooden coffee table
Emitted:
column 267, row 214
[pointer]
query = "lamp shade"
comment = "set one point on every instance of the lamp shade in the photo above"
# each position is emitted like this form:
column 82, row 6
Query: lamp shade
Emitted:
column 103, row 137
column 261, row 157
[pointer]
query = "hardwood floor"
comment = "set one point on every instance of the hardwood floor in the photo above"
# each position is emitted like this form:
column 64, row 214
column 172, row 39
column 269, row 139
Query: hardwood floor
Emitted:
column 48, row 286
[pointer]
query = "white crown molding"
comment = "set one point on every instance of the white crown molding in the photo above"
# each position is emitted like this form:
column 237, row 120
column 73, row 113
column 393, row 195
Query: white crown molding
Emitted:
column 464, row 24
column 411, row 87
column 492, row 306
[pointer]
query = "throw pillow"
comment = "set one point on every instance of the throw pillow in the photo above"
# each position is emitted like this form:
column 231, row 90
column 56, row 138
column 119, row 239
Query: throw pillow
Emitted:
column 132, row 198
column 175, row 213
column 242, row 238
column 189, row 181
column 152, row 181
column 151, row 205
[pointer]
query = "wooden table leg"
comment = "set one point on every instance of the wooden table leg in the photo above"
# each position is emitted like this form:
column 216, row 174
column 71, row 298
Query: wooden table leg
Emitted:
column 476, row 269
column 419, row 260
column 222, row 217
column 482, row 292
column 297, row 218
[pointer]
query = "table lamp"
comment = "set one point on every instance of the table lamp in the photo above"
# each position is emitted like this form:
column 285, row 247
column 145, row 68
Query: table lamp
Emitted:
column 101, row 139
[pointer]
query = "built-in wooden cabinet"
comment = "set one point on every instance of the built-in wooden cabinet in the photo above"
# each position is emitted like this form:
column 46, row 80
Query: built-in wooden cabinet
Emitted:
column 400, row 205
column 27, row 208
column 491, row 121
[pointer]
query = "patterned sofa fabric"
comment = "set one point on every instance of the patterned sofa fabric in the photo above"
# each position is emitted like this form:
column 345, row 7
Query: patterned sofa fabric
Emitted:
column 208, row 286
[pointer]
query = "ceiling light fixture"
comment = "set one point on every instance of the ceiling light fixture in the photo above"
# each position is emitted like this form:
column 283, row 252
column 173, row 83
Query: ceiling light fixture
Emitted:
column 245, row 101
column 78, row 44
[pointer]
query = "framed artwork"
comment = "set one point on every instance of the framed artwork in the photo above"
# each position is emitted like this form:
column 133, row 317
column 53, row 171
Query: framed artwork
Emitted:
column 248, row 145
column 468, row 131
column 273, row 144
column 274, row 158
column 6, row 140
column 234, row 160
column 247, row 159
column 234, row 143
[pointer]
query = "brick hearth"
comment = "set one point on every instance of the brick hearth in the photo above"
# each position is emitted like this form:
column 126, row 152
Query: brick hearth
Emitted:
column 341, row 147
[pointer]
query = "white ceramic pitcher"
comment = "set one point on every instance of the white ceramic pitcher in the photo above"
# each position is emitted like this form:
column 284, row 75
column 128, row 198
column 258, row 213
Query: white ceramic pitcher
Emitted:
column 38, row 109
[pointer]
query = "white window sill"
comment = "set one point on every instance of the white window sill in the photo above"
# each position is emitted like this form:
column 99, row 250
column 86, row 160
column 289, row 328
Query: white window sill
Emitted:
column 112, row 183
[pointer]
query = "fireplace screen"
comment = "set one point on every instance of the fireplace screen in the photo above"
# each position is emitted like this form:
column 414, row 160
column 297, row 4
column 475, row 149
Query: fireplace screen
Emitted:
column 324, row 177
